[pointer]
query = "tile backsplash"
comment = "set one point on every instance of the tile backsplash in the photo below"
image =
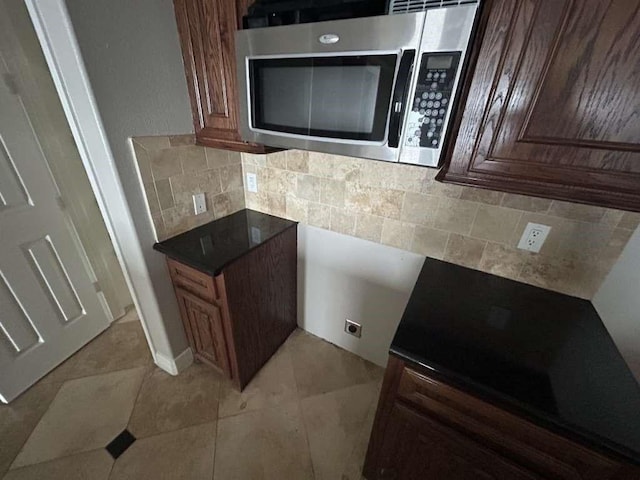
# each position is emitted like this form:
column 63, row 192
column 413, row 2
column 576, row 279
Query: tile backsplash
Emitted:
column 404, row 207
column 173, row 168
column 393, row 204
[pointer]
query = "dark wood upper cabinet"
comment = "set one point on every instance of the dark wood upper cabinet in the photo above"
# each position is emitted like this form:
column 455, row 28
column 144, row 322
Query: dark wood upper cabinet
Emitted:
column 206, row 29
column 552, row 107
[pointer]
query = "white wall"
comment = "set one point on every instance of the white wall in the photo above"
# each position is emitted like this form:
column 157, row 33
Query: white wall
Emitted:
column 132, row 56
column 618, row 303
column 340, row 277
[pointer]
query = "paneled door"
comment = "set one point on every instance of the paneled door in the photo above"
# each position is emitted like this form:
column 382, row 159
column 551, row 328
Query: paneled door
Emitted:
column 49, row 307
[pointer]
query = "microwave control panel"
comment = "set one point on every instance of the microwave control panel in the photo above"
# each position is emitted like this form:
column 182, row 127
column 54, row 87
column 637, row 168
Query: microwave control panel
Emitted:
column 426, row 125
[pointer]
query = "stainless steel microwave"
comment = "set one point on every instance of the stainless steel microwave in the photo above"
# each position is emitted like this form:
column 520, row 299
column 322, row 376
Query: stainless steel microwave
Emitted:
column 377, row 87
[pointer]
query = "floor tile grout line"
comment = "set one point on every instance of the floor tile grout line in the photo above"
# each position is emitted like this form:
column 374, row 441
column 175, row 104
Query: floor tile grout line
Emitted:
column 299, row 402
column 34, row 427
column 62, row 457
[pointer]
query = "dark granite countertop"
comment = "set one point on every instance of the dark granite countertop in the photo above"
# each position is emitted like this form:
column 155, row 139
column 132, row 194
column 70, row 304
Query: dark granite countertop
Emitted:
column 210, row 247
column 538, row 353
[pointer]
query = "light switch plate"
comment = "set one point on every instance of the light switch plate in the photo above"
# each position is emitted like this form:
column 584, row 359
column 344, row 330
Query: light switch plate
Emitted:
column 199, row 203
column 533, row 237
column 252, row 182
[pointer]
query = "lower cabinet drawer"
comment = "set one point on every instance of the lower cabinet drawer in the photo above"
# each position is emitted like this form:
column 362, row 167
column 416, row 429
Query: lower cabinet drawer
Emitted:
column 192, row 280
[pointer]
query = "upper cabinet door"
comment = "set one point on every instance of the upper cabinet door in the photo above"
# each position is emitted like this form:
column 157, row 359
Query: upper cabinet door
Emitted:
column 553, row 106
column 206, row 29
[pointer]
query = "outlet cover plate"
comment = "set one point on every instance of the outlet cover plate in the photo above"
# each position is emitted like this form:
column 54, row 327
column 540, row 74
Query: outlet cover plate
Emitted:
column 352, row 328
column 199, row 203
column 252, row 182
column 533, row 237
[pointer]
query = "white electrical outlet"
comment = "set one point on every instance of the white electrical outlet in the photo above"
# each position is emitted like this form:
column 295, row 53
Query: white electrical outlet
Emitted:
column 199, row 203
column 533, row 237
column 252, row 182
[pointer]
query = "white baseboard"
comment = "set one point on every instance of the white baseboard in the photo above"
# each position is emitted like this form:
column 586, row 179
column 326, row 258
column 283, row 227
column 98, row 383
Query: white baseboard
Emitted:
column 175, row 365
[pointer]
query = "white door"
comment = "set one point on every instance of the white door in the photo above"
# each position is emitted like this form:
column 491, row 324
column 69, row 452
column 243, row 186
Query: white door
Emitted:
column 48, row 305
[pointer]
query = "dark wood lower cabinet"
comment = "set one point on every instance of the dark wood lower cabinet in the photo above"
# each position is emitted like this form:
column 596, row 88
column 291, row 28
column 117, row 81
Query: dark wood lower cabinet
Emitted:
column 236, row 320
column 426, row 429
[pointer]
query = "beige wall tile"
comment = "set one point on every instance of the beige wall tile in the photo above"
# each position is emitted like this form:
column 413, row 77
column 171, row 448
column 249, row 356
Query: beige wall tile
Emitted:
column 576, row 211
column 559, row 274
column 429, row 242
column 524, row 202
column 503, row 260
column 154, row 142
column 165, row 195
column 319, row 215
column 297, row 161
column 496, row 224
column 386, row 203
column 420, row 209
column 276, row 204
column 221, row 205
column 357, row 197
column 369, row 227
column 630, row 220
column 410, row 178
column 397, row 234
column 378, row 175
column 278, row 181
column 231, row 177
column 217, row 158
column 342, row 221
column 433, row 187
column 581, row 239
column 152, row 197
column 144, row 162
column 158, row 225
column 193, row 158
column 180, row 140
column 481, row 195
column 464, row 251
column 165, row 163
column 322, row 164
column 277, row 160
column 455, row 215
column 176, row 219
column 185, row 186
column 254, row 159
column 297, row 209
column 332, row 192
column 308, row 187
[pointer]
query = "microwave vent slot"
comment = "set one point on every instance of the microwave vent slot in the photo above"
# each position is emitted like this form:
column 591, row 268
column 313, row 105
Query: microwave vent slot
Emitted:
column 411, row 6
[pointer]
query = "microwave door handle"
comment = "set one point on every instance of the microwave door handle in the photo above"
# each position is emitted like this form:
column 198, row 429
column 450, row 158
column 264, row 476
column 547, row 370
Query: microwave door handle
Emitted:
column 400, row 91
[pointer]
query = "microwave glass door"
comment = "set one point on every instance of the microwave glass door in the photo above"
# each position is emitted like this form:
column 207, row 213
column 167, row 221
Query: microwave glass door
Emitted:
column 340, row 97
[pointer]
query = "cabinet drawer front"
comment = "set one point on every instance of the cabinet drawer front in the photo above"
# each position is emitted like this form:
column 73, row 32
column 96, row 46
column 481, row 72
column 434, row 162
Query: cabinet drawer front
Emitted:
column 545, row 452
column 192, row 280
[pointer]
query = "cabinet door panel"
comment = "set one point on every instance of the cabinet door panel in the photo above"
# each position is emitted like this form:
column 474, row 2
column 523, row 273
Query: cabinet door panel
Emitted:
column 553, row 103
column 203, row 323
column 417, row 448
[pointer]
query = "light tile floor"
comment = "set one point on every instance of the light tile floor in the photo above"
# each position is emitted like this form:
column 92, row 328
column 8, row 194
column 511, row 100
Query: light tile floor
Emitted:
column 306, row 415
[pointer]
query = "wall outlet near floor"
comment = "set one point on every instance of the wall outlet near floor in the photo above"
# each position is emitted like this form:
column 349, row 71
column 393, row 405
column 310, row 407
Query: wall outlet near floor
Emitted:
column 533, row 237
column 352, row 328
column 252, row 182
column 199, row 203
